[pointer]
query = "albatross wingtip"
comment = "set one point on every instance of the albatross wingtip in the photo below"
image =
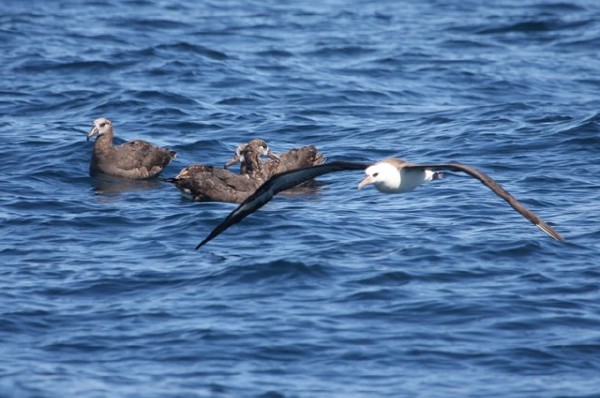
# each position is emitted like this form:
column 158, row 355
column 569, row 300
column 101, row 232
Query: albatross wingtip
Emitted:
column 205, row 241
column 201, row 244
column 551, row 231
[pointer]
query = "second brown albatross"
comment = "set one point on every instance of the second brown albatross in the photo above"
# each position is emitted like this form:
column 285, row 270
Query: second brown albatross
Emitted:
column 136, row 160
column 208, row 183
column 295, row 158
column 388, row 176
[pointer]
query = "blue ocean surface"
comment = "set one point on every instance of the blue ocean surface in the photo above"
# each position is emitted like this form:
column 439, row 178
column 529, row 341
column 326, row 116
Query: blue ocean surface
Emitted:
column 444, row 291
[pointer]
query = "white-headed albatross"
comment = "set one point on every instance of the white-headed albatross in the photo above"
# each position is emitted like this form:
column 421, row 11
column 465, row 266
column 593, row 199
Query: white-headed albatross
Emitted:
column 388, row 176
column 136, row 160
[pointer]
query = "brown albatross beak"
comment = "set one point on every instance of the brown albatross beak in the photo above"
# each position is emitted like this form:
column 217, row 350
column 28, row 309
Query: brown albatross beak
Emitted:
column 272, row 156
column 366, row 181
column 94, row 131
column 235, row 159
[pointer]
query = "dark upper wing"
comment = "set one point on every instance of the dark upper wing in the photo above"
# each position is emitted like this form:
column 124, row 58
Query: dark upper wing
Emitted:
column 275, row 184
column 139, row 153
column 295, row 158
column 494, row 186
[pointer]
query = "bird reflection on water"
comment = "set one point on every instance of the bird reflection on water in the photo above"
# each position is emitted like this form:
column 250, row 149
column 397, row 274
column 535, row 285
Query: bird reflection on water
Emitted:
column 104, row 184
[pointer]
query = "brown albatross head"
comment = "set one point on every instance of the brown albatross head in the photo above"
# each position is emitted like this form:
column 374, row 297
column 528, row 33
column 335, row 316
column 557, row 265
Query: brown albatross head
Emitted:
column 256, row 146
column 100, row 126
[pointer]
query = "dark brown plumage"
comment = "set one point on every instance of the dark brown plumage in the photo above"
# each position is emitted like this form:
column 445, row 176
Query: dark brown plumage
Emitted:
column 207, row 183
column 295, row 158
column 135, row 160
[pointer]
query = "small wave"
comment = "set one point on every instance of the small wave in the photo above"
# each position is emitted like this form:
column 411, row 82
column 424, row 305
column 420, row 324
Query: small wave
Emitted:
column 45, row 65
column 195, row 49
column 278, row 271
column 339, row 51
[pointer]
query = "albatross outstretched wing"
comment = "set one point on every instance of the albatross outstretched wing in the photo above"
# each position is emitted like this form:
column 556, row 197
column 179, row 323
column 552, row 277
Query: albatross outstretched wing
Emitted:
column 496, row 188
column 274, row 185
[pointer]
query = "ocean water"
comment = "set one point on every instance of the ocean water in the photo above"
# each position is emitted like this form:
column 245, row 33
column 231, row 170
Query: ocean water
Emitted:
column 443, row 291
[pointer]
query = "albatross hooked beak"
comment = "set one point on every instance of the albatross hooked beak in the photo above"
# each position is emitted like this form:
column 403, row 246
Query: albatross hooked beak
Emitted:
column 94, row 131
column 272, row 156
column 366, row 181
column 238, row 157
column 235, row 159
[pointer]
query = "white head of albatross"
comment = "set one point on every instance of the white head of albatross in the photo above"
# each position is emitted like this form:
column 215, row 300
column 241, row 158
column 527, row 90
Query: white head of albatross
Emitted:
column 101, row 126
column 391, row 176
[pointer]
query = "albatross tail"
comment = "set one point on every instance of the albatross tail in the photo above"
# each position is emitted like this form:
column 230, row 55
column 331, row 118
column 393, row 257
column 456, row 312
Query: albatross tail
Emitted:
column 431, row 175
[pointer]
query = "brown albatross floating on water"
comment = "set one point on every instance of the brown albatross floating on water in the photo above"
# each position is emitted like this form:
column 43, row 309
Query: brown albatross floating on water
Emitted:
column 295, row 158
column 388, row 176
column 136, row 160
column 207, row 183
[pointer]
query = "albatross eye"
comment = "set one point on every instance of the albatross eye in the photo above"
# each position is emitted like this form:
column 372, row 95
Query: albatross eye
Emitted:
column 375, row 174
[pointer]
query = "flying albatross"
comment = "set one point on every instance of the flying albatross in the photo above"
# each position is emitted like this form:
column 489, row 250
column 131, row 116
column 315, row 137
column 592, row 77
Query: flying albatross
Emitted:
column 136, row 160
column 388, row 176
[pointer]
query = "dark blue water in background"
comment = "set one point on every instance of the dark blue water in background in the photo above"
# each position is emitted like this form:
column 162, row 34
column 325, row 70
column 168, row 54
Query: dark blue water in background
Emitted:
column 444, row 291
